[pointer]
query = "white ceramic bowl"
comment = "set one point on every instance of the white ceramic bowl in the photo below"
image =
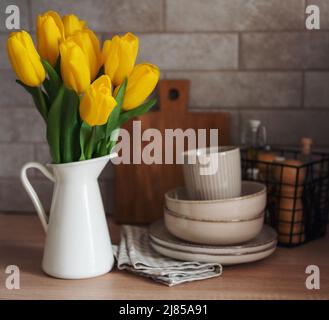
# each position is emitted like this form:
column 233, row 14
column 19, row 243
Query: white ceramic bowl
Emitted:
column 213, row 232
column 249, row 205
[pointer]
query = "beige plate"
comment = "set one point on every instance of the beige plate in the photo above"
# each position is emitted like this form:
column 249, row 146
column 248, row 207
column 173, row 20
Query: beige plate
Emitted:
column 222, row 259
column 160, row 235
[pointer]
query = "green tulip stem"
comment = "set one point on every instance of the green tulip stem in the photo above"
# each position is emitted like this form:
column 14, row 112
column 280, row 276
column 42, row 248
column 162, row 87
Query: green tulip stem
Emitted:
column 103, row 149
column 42, row 104
column 90, row 147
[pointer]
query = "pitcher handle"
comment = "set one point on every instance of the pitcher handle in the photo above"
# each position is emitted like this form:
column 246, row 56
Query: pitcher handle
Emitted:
column 31, row 192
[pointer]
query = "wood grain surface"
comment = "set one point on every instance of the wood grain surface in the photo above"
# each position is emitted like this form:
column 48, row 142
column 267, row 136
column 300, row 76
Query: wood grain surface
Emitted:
column 281, row 276
column 140, row 188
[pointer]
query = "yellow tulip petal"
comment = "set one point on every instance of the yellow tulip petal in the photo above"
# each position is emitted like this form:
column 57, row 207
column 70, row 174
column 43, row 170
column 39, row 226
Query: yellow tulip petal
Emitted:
column 112, row 60
column 57, row 19
column 52, row 39
column 141, row 82
column 74, row 66
column 86, row 109
column 72, row 24
column 24, row 59
column 89, row 43
column 22, row 66
column 106, row 49
column 127, row 53
column 119, row 57
column 97, row 102
column 80, row 72
column 50, row 32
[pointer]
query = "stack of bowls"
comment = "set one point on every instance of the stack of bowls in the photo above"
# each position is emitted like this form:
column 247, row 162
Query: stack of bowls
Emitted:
column 217, row 222
column 215, row 207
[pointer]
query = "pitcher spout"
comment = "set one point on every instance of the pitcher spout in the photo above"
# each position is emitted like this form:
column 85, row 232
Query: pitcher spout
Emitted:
column 87, row 168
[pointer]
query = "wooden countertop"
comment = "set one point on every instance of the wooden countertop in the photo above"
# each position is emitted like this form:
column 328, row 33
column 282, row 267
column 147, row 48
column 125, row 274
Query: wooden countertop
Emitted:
column 281, row 276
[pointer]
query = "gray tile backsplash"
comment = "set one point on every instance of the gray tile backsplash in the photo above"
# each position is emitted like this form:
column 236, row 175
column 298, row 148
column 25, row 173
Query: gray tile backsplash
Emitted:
column 243, row 89
column 234, row 15
column 109, row 15
column 205, row 51
column 253, row 59
column 285, row 50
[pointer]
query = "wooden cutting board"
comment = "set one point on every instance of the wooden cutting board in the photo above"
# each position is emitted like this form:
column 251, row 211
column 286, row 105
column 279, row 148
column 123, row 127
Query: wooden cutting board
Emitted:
column 140, row 188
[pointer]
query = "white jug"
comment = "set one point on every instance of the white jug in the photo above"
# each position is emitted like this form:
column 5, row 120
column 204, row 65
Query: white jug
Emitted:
column 78, row 244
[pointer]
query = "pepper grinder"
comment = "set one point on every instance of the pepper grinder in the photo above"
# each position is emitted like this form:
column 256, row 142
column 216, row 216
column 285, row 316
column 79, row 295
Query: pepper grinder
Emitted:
column 306, row 155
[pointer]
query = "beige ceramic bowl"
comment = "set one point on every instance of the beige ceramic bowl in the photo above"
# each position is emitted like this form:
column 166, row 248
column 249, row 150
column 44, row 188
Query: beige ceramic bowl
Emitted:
column 213, row 232
column 249, row 205
column 212, row 173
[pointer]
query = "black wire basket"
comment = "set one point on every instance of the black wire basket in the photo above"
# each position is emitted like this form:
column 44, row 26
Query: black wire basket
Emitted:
column 297, row 195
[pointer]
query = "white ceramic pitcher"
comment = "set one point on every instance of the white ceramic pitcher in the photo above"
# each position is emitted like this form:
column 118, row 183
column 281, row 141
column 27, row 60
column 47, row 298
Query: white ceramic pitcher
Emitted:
column 78, row 244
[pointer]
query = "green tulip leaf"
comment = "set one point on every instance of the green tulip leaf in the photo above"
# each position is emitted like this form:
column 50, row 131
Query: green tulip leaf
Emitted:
column 70, row 147
column 112, row 122
column 125, row 116
column 47, row 85
column 91, row 144
column 85, row 131
column 57, row 66
column 98, row 148
column 54, row 125
column 113, row 140
column 39, row 97
column 53, row 83
column 100, row 133
column 90, row 148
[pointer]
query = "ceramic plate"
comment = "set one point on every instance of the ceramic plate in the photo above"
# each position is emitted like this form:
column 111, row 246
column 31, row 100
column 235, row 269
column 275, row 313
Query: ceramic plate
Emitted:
column 161, row 237
column 222, row 259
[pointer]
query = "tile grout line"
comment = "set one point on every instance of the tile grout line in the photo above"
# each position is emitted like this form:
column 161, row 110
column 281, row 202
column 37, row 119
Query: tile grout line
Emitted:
column 302, row 102
column 30, row 19
column 256, row 108
column 242, row 70
column 164, row 15
column 239, row 51
column 205, row 32
column 232, row 70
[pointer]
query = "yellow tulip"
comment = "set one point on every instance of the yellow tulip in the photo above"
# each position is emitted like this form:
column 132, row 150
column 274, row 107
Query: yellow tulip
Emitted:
column 50, row 32
column 97, row 102
column 25, row 59
column 141, row 83
column 74, row 66
column 89, row 44
column 119, row 55
column 72, row 24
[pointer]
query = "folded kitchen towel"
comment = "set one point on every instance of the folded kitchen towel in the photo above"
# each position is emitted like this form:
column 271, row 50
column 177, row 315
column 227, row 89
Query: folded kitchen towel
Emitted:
column 136, row 255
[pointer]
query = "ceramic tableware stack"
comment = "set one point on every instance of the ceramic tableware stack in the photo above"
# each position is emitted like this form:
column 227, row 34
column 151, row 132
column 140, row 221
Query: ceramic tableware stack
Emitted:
column 216, row 217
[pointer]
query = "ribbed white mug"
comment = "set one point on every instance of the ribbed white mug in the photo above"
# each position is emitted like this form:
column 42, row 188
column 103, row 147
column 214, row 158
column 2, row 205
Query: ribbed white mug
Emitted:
column 212, row 173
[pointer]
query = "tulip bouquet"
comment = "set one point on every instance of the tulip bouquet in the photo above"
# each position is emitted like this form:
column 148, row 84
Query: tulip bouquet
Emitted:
column 82, row 91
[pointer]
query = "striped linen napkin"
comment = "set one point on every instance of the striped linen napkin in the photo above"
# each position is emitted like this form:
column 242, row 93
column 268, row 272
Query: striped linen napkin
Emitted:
column 136, row 255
